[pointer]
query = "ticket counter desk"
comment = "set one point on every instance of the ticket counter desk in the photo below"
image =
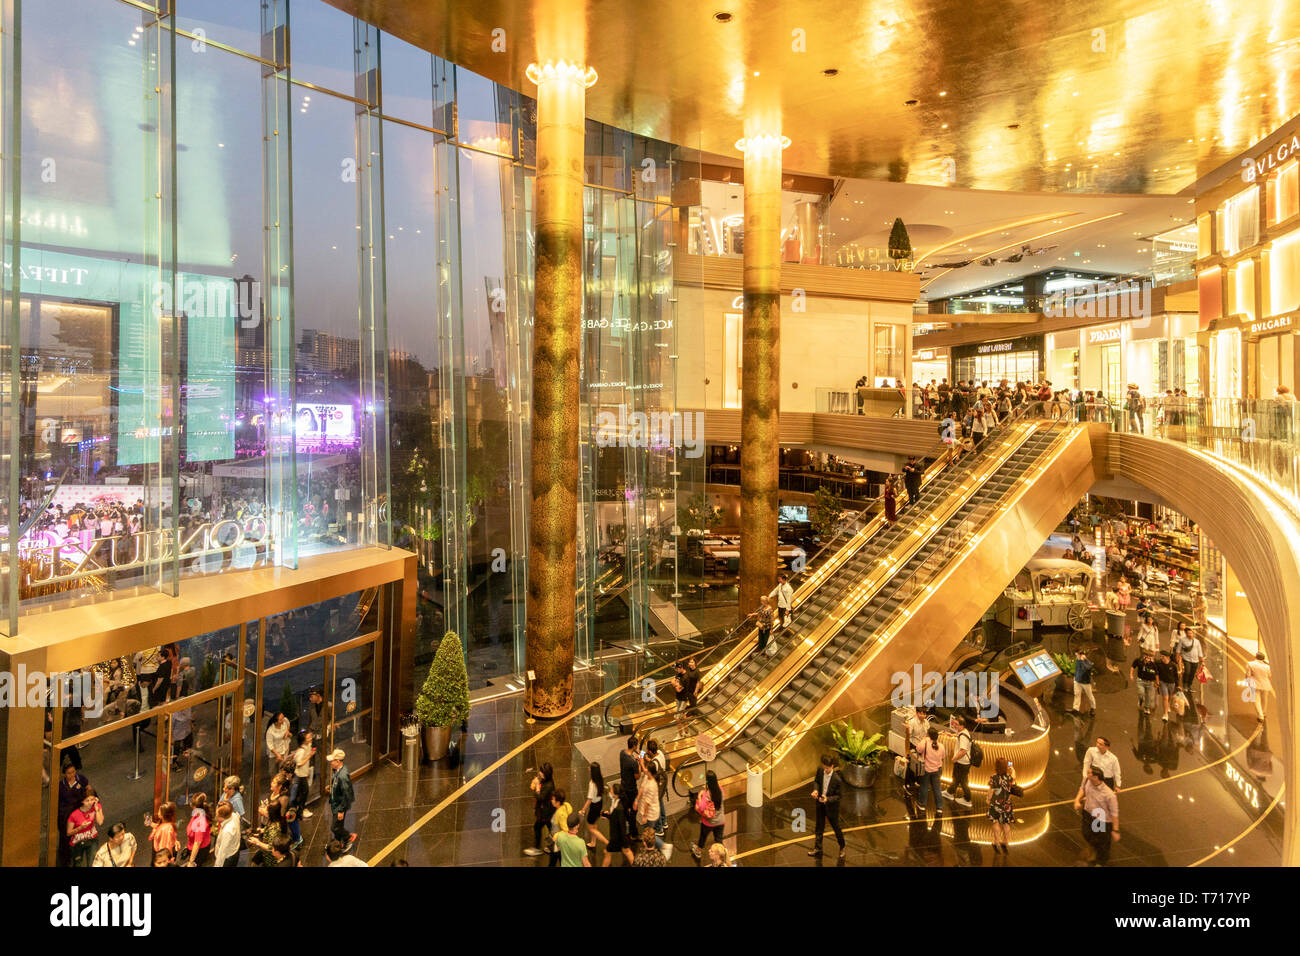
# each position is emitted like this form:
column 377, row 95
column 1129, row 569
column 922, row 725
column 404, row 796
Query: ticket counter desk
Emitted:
column 1019, row 732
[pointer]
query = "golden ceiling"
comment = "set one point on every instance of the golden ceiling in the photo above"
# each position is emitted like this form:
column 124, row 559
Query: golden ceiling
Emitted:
column 1124, row 96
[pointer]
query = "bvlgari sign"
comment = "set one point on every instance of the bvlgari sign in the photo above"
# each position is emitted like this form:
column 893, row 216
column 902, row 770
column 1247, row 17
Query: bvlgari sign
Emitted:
column 1260, row 166
column 1264, row 326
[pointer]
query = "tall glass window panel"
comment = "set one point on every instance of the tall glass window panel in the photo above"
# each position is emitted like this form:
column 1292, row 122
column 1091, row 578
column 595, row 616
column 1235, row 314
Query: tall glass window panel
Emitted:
column 407, row 82
column 95, row 406
column 321, row 47
column 414, row 353
column 219, row 303
column 329, row 402
column 233, row 23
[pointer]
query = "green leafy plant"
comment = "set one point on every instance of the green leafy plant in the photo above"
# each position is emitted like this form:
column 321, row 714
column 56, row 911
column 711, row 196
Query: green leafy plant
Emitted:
column 854, row 745
column 208, row 676
column 698, row 514
column 1065, row 662
column 444, row 699
column 824, row 513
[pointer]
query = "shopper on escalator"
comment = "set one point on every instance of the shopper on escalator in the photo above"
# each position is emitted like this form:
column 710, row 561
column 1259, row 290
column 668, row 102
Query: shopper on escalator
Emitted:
column 890, row 498
column 913, row 472
column 766, row 616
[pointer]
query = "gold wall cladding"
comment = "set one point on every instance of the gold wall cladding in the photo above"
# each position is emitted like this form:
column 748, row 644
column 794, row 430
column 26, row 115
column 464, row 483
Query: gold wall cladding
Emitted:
column 1244, row 520
column 726, row 272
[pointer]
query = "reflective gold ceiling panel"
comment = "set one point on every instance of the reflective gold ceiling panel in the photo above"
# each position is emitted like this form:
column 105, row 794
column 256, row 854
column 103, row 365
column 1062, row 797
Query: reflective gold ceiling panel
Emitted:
column 1128, row 96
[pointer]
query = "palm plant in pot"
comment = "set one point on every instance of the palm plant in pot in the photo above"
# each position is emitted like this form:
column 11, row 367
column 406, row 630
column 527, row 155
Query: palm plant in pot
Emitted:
column 444, row 698
column 860, row 754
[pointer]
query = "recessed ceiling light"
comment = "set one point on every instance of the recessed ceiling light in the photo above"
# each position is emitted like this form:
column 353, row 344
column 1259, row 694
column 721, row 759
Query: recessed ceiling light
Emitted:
column 943, row 92
column 722, row 17
column 831, row 72
column 910, row 102
column 1013, row 126
column 944, row 126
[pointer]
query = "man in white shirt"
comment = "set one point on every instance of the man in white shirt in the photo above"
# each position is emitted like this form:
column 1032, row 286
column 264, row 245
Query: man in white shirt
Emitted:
column 784, row 595
column 226, row 850
column 1104, row 759
column 918, row 727
column 960, row 764
column 337, row 855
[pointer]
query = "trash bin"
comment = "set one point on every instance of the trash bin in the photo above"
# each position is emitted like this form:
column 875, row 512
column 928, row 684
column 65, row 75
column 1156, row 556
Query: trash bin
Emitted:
column 411, row 752
column 754, row 788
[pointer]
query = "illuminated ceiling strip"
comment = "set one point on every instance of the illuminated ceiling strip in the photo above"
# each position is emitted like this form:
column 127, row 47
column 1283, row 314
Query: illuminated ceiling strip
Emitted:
column 1032, row 239
column 1001, row 227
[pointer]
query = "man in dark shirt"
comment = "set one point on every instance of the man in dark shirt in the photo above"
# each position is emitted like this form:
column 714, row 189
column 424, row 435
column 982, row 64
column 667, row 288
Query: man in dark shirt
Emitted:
column 629, row 765
column 1169, row 674
column 912, row 473
column 1146, row 673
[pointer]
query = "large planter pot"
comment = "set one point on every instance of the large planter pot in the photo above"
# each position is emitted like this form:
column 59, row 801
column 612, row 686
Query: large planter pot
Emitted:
column 436, row 742
column 860, row 775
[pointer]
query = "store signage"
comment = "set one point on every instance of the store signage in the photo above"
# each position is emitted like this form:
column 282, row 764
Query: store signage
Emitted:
column 1265, row 163
column 56, row 275
column 1270, row 325
column 992, row 348
column 1096, row 336
column 925, row 355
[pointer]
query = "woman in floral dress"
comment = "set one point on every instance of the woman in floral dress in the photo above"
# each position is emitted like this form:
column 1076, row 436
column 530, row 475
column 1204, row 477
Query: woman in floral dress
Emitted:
column 1002, row 787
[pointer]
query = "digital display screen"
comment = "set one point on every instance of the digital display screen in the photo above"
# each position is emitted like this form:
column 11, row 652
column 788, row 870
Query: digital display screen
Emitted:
column 321, row 426
column 793, row 513
column 1035, row 669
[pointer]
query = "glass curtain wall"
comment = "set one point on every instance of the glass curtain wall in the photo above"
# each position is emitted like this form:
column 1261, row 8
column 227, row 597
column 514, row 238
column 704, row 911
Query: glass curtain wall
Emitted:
column 270, row 295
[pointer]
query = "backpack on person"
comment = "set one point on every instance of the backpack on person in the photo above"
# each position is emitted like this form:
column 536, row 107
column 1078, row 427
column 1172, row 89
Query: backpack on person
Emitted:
column 976, row 753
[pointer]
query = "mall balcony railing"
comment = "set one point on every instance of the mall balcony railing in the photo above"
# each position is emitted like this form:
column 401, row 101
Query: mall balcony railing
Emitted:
column 1259, row 435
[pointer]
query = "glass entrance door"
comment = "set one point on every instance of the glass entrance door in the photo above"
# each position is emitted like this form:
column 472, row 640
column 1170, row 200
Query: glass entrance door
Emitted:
column 1112, row 373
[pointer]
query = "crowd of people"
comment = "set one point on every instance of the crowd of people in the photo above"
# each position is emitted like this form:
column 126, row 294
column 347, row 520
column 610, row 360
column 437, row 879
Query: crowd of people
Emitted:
column 634, row 808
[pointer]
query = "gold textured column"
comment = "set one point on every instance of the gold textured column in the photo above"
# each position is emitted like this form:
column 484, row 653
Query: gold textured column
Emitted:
column 760, row 368
column 557, row 331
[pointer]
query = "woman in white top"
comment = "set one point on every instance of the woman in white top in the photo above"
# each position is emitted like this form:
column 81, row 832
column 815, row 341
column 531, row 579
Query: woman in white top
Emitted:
column 277, row 742
column 1258, row 682
column 302, row 758
column 1148, row 635
column 591, row 808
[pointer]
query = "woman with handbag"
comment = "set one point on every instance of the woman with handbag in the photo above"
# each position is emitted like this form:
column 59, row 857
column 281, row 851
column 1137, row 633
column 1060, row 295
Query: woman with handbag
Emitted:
column 708, row 804
column 932, row 754
column 1002, row 787
column 83, row 828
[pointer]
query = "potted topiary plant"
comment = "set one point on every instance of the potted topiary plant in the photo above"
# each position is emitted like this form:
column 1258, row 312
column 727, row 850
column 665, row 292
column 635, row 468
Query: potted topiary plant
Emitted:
column 860, row 753
column 444, row 699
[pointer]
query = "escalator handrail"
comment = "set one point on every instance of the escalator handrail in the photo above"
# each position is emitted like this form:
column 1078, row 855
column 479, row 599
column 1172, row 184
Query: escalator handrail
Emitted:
column 788, row 666
column 983, row 510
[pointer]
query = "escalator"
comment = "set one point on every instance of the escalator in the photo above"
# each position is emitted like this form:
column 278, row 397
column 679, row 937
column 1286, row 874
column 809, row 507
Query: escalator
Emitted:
column 912, row 607
column 944, row 489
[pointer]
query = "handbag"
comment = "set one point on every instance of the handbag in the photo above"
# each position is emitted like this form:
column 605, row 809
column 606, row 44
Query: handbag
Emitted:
column 1202, row 674
column 704, row 806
